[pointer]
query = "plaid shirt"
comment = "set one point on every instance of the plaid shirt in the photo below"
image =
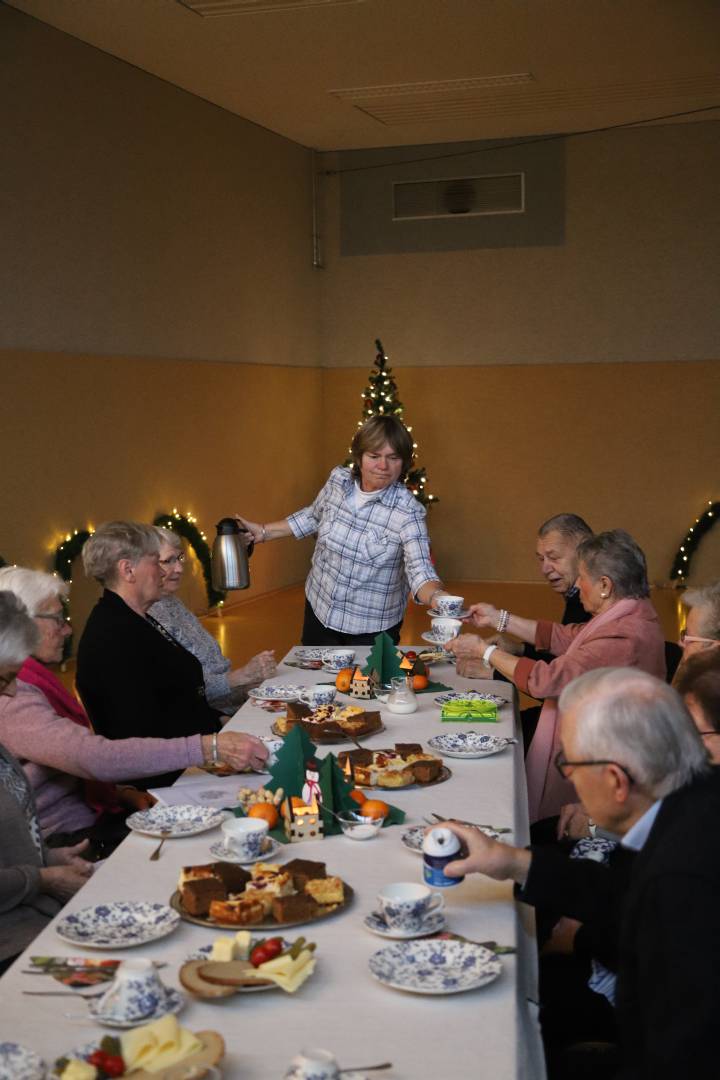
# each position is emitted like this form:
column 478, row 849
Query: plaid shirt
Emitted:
column 366, row 560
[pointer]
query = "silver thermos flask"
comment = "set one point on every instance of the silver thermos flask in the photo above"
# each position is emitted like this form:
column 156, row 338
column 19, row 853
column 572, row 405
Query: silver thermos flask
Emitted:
column 230, row 556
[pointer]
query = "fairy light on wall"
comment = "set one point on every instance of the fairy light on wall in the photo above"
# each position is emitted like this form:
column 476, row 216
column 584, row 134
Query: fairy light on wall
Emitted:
column 681, row 564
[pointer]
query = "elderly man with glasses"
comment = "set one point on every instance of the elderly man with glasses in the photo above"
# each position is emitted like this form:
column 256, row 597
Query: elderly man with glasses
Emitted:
column 639, row 766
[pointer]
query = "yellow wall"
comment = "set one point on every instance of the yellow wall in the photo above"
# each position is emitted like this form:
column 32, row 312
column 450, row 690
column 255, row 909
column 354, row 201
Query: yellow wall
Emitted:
column 626, row 445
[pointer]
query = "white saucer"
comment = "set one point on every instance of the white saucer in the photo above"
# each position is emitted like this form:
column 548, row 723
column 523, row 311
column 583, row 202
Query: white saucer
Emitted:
column 428, row 636
column 226, row 854
column 464, row 613
column 432, row 924
column 173, row 1003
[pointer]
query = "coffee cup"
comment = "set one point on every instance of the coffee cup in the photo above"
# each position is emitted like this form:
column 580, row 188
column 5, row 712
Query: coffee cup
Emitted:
column 339, row 658
column 313, row 1065
column 449, row 605
column 245, row 836
column 318, row 695
column 136, row 992
column 445, row 629
column 406, row 906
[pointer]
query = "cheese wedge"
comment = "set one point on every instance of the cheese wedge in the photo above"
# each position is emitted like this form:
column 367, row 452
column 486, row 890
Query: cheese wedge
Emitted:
column 223, row 949
column 78, row 1070
column 154, row 1047
column 243, row 942
column 186, row 1045
column 287, row 973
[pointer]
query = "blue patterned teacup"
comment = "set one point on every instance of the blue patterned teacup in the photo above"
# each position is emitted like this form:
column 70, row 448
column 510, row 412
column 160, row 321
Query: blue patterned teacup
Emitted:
column 313, row 1065
column 245, row 836
column 136, row 992
column 445, row 629
column 449, row 605
column 405, row 905
column 318, row 695
column 339, row 658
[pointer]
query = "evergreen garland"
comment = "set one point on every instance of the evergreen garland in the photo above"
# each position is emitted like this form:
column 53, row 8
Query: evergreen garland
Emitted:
column 681, row 564
column 380, row 398
column 196, row 538
column 68, row 551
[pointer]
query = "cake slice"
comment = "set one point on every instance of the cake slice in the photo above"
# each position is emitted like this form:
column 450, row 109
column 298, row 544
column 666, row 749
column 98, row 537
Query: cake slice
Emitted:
column 233, row 877
column 295, row 908
column 326, row 890
column 199, row 886
column 304, row 870
column 406, row 750
column 239, row 912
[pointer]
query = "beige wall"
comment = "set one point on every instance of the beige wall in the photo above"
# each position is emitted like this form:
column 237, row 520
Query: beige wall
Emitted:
column 626, row 445
column 637, row 277
column 138, row 220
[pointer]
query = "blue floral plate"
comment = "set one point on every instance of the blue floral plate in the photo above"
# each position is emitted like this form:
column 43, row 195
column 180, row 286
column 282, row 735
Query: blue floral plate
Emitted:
column 435, row 967
column 173, row 1003
column 174, row 821
column 432, row 924
column 276, row 692
column 118, row 924
column 19, row 1063
column 468, row 744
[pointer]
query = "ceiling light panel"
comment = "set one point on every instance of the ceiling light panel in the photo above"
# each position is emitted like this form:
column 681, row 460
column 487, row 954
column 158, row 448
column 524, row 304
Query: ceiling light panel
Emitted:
column 212, row 9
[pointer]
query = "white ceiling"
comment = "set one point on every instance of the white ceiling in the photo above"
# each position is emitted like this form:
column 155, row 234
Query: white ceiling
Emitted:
column 366, row 73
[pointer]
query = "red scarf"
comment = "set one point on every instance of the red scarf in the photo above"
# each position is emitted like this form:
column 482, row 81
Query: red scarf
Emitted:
column 100, row 796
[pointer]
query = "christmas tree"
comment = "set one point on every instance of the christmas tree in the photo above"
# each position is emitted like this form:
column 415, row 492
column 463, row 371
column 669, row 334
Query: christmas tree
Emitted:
column 380, row 398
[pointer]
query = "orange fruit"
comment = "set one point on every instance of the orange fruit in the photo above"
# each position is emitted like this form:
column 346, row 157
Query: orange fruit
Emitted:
column 375, row 808
column 359, row 796
column 419, row 682
column 343, row 679
column 266, row 811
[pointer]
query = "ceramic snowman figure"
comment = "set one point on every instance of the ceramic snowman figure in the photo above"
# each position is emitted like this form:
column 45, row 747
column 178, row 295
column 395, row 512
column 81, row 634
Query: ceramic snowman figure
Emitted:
column 311, row 788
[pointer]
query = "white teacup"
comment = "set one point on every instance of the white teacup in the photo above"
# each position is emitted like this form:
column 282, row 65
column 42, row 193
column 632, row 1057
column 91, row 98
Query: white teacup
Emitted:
column 449, row 605
column 444, row 629
column 318, row 695
column 406, row 906
column 313, row 1065
column 135, row 992
column 245, row 836
column 339, row 658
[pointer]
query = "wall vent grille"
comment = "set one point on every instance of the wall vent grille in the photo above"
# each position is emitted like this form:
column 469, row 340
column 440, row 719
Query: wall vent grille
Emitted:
column 459, row 196
column 212, row 9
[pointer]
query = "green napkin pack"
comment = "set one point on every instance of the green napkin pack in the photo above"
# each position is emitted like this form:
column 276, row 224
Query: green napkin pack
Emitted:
column 464, row 709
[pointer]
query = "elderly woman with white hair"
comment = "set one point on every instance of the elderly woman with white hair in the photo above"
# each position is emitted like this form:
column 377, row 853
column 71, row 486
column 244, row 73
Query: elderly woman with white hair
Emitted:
column 133, row 676
column 70, row 768
column 34, row 882
column 702, row 624
column 225, row 690
column 624, row 631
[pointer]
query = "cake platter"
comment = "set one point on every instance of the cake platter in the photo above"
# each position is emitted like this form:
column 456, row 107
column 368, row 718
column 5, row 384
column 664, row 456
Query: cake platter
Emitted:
column 323, row 912
column 442, row 776
column 329, row 739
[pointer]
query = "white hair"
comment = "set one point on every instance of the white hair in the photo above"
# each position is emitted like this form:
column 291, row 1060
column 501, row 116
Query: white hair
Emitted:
column 18, row 633
column 632, row 718
column 115, row 541
column 707, row 598
column 34, row 587
column 168, row 536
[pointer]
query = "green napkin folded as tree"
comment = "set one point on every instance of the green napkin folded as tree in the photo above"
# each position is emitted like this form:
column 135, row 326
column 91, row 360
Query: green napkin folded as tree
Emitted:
column 384, row 659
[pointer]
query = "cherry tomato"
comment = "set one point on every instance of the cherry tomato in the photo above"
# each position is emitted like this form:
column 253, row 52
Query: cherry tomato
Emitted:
column 410, row 655
column 114, row 1065
column 97, row 1058
column 267, row 951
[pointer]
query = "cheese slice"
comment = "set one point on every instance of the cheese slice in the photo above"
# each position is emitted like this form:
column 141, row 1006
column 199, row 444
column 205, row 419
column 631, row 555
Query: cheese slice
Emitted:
column 243, row 941
column 186, row 1045
column 223, row 949
column 287, row 973
column 78, row 1070
column 158, row 1045
column 137, row 1046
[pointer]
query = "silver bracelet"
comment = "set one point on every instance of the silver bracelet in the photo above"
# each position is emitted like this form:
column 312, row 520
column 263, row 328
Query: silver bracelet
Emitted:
column 503, row 621
column 263, row 536
column 215, row 756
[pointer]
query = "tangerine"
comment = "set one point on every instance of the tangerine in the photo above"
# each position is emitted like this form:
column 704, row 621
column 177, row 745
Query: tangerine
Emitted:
column 375, row 808
column 343, row 679
column 359, row 796
column 266, row 811
column 420, row 682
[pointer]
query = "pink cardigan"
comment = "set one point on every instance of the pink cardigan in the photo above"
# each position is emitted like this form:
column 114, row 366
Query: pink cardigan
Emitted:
column 628, row 634
column 54, row 751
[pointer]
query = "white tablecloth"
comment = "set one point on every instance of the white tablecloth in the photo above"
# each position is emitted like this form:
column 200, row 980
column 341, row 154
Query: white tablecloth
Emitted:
column 488, row 1033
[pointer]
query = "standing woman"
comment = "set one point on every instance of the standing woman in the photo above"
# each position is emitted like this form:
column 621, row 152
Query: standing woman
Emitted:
column 372, row 548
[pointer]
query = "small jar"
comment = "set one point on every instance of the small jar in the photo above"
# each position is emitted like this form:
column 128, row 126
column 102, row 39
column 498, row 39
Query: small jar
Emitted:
column 440, row 847
column 401, row 698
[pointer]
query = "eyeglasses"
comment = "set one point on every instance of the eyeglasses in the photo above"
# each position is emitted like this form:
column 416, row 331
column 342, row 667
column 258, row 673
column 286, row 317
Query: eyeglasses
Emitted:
column 704, row 733
column 172, row 560
column 561, row 764
column 685, row 638
column 56, row 617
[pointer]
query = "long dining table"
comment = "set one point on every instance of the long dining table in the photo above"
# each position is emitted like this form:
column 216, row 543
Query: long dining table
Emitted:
column 490, row 1033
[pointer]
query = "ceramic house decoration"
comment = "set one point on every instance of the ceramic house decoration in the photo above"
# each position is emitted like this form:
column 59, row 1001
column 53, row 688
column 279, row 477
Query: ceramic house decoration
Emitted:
column 361, row 686
column 303, row 821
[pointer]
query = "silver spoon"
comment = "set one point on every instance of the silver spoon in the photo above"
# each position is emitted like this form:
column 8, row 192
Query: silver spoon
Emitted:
column 368, row 1068
column 156, row 853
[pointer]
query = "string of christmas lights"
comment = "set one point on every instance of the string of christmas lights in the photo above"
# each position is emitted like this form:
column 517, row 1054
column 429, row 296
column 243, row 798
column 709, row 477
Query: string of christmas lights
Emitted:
column 703, row 524
column 380, row 398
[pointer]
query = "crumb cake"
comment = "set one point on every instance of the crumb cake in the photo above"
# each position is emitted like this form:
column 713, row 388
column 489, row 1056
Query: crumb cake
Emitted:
column 327, row 890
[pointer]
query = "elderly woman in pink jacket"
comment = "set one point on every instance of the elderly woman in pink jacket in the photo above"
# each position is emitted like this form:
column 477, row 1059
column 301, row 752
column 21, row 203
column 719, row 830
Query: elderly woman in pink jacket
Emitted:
column 624, row 631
